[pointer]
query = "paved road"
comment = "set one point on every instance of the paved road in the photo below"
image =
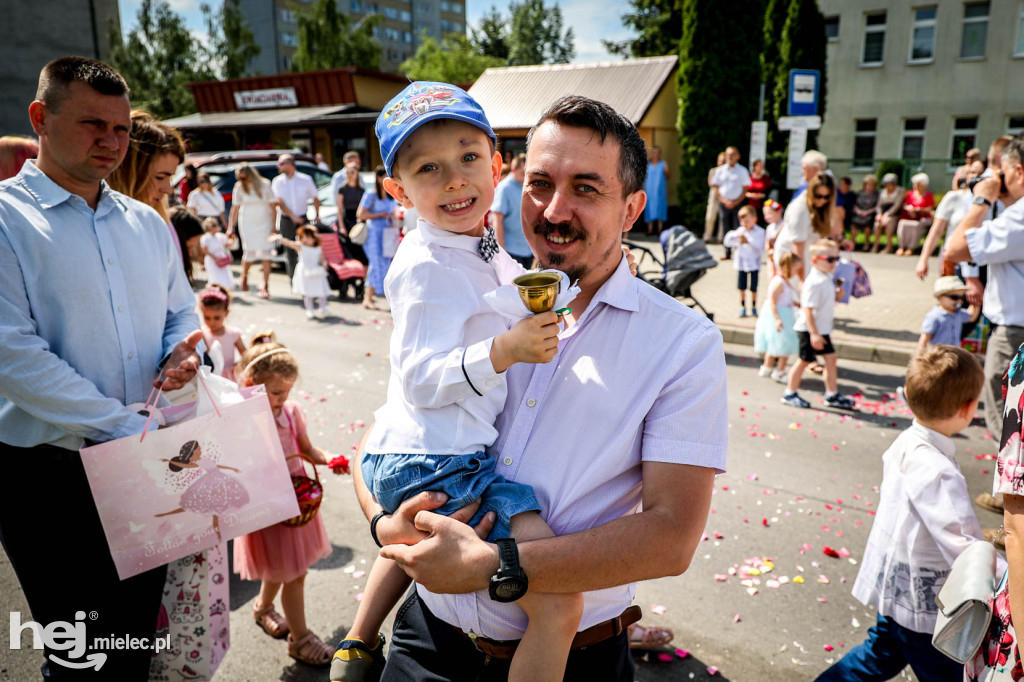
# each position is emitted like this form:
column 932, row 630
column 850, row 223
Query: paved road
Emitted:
column 797, row 481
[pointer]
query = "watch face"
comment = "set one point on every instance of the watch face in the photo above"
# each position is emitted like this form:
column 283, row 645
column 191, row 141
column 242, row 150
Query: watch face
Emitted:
column 509, row 589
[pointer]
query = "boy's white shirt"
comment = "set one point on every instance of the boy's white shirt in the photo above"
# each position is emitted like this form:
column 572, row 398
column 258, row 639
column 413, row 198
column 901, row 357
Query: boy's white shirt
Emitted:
column 746, row 257
column 818, row 293
column 924, row 521
column 440, row 348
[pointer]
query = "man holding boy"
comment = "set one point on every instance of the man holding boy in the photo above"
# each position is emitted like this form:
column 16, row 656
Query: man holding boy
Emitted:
column 92, row 300
column 813, row 327
column 594, row 435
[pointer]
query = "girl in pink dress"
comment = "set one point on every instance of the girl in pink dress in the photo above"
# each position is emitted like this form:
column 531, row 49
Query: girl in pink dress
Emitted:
column 215, row 303
column 280, row 555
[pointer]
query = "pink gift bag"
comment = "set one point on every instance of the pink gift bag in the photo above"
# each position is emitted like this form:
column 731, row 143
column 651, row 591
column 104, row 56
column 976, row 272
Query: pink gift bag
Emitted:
column 185, row 488
column 193, row 620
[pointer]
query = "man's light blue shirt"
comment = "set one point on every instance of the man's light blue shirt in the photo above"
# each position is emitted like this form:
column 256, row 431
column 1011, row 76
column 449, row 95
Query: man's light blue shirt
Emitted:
column 90, row 303
column 508, row 201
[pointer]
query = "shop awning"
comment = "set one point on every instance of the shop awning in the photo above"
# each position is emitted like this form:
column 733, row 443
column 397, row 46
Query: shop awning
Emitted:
column 345, row 113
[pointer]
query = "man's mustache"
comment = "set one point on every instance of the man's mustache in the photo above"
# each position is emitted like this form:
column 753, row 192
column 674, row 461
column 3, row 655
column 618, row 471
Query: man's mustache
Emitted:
column 567, row 230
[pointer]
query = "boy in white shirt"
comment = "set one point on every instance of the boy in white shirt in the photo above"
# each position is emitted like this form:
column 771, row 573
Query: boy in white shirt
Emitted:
column 449, row 352
column 813, row 327
column 924, row 521
column 747, row 242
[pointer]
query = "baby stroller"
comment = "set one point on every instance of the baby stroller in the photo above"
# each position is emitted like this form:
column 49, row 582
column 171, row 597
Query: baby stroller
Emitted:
column 686, row 261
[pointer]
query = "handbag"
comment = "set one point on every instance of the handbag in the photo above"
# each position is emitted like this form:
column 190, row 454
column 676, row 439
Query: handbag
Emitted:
column 965, row 602
column 223, row 261
column 309, row 492
column 357, row 234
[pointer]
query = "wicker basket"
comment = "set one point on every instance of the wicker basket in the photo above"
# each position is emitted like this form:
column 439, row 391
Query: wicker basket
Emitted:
column 309, row 493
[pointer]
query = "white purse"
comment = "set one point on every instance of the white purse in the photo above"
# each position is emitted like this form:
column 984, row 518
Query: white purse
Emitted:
column 965, row 602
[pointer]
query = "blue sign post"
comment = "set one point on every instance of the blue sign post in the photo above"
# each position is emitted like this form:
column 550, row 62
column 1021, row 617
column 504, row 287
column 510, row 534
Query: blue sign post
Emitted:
column 804, row 86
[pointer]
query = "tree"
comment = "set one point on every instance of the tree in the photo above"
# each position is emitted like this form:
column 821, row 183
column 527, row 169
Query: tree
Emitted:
column 802, row 45
column 777, row 141
column 158, row 58
column 536, row 37
column 490, row 38
column 328, row 40
column 659, row 24
column 232, row 44
column 718, row 90
column 531, row 35
column 453, row 60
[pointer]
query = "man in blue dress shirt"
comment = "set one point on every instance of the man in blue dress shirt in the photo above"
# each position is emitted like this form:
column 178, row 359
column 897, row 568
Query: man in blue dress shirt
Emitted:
column 93, row 301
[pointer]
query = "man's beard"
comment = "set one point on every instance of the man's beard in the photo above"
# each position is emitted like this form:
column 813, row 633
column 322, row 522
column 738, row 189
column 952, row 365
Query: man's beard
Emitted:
column 557, row 260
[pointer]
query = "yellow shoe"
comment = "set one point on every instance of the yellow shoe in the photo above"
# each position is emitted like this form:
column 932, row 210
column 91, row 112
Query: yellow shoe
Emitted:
column 355, row 662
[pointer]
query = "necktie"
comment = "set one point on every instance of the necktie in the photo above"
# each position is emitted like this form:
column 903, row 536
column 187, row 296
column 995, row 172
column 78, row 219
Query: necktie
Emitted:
column 488, row 245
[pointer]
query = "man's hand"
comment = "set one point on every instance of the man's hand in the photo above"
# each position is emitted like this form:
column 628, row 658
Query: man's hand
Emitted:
column 817, row 341
column 975, row 291
column 182, row 364
column 451, row 559
column 400, row 528
column 989, row 187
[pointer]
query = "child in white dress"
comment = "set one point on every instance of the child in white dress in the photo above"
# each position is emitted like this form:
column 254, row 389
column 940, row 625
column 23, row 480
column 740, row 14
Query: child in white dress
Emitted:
column 216, row 256
column 310, row 278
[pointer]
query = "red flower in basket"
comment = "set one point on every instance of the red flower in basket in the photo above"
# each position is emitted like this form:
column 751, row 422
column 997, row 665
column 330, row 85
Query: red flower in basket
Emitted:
column 339, row 464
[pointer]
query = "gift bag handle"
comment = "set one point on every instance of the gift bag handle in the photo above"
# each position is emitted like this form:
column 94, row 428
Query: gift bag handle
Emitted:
column 157, row 391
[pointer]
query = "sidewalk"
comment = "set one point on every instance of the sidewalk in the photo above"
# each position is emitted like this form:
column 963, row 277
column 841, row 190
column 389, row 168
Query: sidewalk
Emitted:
column 883, row 327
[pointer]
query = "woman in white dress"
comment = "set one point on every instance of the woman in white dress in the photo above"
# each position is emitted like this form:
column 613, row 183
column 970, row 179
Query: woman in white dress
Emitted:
column 253, row 211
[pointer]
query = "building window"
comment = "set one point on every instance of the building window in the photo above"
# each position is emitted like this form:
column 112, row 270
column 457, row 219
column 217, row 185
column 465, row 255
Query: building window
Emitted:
column 922, row 35
column 1018, row 48
column 874, row 40
column 457, row 8
column 406, row 16
column 832, row 29
column 912, row 144
column 422, row 8
column 1015, row 125
column 407, row 37
column 444, row 6
column 965, row 136
column 390, row 13
column 355, row 6
column 975, row 33
column 392, row 34
column 864, row 143
column 286, row 63
column 288, row 16
column 289, row 39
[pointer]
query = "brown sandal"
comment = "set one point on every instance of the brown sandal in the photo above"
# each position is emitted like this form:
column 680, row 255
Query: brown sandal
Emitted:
column 646, row 637
column 310, row 650
column 270, row 621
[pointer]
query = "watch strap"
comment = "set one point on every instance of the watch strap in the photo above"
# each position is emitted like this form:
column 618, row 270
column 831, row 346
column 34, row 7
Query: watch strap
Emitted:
column 508, row 554
column 373, row 526
column 979, row 200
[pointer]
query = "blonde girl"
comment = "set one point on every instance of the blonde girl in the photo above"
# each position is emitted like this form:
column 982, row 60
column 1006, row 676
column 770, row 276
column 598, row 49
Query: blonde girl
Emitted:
column 774, row 335
column 215, row 248
column 215, row 305
column 279, row 556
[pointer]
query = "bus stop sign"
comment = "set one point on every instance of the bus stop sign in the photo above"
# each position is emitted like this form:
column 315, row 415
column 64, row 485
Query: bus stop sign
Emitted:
column 804, row 86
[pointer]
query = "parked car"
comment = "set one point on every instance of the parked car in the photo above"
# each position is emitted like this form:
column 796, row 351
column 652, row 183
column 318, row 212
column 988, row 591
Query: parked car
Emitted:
column 329, row 202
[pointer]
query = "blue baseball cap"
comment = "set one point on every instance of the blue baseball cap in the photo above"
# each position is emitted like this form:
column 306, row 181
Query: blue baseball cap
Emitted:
column 420, row 102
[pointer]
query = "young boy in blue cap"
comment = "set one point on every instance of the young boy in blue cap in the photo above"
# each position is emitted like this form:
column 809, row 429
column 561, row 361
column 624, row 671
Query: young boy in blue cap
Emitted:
column 449, row 352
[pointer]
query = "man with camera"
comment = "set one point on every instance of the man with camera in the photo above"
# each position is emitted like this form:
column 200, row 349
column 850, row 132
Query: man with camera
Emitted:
column 999, row 244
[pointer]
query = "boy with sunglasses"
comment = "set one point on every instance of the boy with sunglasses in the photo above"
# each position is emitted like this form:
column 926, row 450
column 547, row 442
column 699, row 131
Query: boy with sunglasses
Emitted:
column 814, row 325
column 944, row 324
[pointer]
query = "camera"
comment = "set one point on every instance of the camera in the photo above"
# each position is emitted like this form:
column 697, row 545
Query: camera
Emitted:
column 1002, row 183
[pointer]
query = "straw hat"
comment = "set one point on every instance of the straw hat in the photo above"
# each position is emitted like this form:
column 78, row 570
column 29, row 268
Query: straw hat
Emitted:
column 948, row 284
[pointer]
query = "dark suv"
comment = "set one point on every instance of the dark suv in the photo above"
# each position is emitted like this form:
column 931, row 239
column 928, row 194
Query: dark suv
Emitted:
column 221, row 168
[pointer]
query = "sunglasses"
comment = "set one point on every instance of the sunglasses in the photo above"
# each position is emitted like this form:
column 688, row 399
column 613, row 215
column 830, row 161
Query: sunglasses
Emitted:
column 957, row 298
column 823, row 196
column 829, row 259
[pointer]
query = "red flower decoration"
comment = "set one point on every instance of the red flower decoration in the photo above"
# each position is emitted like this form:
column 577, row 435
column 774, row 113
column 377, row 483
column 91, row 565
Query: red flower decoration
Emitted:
column 339, row 464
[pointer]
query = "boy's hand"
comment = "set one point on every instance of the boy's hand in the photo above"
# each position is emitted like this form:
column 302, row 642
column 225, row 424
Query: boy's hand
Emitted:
column 743, row 239
column 631, row 260
column 534, row 340
column 839, row 293
column 817, row 341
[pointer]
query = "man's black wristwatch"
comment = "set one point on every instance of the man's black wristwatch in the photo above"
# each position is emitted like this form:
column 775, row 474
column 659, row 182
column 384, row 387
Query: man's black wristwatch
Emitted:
column 509, row 583
column 982, row 201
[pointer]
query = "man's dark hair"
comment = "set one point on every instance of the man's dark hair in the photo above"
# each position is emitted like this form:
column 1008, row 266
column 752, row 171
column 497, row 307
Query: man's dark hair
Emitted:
column 583, row 112
column 56, row 76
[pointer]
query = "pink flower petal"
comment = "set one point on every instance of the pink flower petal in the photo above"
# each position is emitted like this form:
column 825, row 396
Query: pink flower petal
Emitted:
column 682, row 653
column 658, row 609
column 712, row 670
column 665, row 658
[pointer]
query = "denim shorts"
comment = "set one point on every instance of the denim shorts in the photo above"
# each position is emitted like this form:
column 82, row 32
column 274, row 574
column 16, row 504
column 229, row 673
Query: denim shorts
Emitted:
column 392, row 478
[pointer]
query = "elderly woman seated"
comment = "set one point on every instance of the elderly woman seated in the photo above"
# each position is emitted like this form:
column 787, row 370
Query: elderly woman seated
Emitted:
column 890, row 204
column 916, row 218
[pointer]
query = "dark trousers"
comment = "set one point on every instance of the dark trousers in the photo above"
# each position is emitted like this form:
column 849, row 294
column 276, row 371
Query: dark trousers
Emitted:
column 890, row 648
column 730, row 219
column 288, row 232
column 427, row 649
column 51, row 532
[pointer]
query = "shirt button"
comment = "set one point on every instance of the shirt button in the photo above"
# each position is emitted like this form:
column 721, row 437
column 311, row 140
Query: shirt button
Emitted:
column 507, row 461
column 531, row 402
column 120, row 308
column 131, row 355
column 110, row 260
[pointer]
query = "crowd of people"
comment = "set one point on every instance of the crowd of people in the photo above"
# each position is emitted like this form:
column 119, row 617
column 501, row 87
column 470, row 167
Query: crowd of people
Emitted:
column 452, row 475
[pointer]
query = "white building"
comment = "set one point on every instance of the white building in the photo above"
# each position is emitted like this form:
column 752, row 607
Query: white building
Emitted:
column 922, row 81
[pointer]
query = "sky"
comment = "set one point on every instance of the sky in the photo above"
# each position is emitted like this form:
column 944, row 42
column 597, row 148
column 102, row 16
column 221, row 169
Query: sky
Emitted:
column 591, row 21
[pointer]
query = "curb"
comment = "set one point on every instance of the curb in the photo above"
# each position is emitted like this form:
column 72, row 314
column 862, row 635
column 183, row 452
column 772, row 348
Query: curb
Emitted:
column 846, row 350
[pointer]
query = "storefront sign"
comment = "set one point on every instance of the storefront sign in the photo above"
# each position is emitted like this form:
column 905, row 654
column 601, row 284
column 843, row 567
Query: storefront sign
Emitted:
column 272, row 98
